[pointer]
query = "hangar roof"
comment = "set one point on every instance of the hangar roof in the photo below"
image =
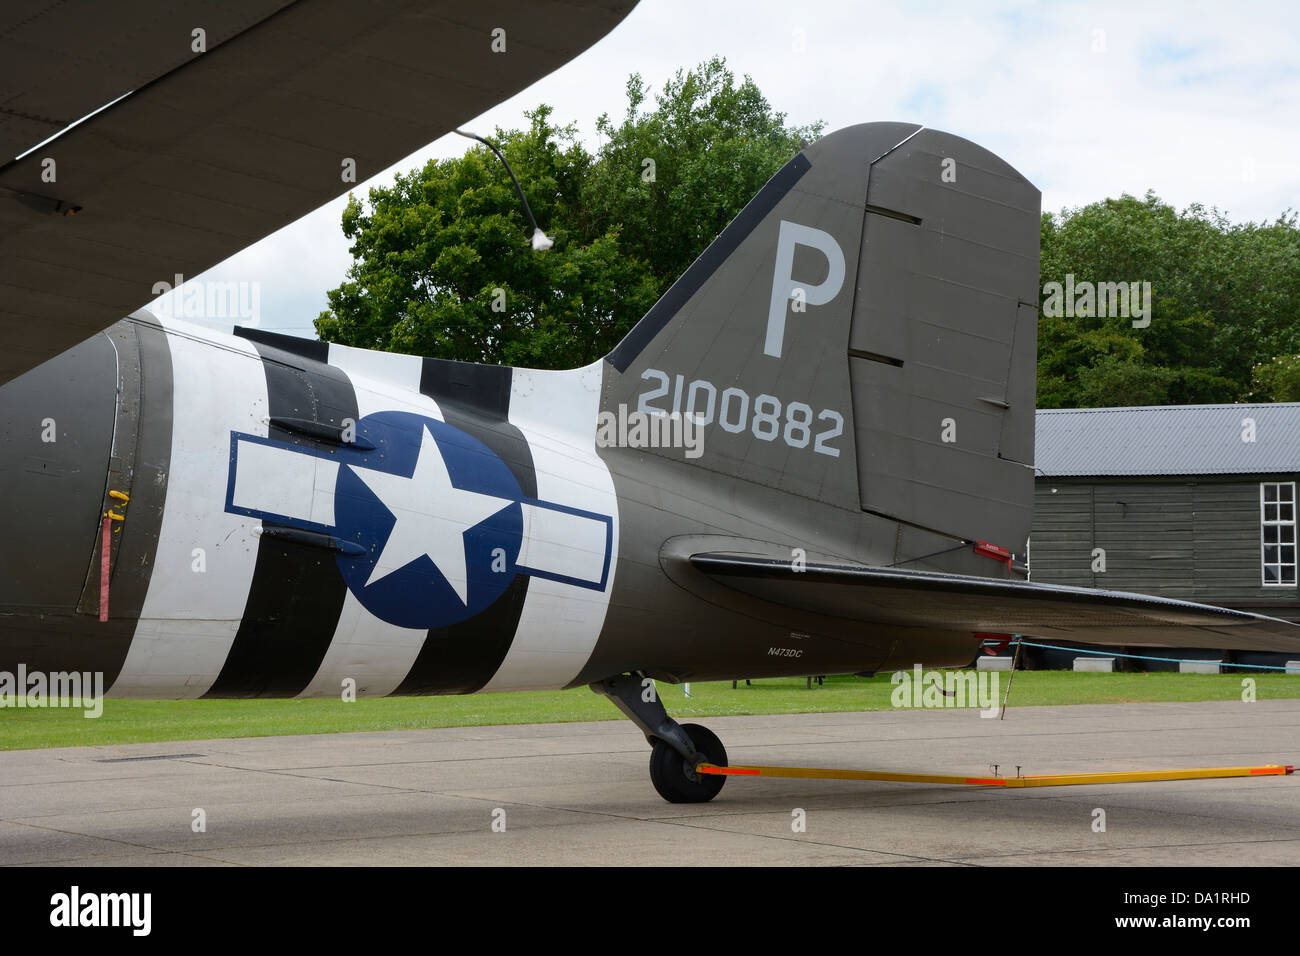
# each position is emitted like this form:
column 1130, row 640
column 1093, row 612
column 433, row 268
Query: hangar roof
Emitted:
column 1168, row 440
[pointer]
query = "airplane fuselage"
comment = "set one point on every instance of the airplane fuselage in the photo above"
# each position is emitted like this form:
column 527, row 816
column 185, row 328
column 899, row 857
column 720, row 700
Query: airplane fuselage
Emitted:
column 289, row 518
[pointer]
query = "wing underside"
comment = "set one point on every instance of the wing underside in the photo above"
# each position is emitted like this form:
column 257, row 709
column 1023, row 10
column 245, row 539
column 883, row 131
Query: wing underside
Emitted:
column 891, row 596
column 218, row 122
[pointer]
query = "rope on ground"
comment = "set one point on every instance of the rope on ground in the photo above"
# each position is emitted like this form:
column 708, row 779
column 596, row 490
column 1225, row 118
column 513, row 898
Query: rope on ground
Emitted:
column 1138, row 657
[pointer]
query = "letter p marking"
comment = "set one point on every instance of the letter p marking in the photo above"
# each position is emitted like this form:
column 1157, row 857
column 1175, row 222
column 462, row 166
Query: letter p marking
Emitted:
column 783, row 285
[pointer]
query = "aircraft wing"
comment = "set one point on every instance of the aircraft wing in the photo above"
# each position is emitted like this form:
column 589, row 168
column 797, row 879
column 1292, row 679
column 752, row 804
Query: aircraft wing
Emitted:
column 962, row 602
column 208, row 151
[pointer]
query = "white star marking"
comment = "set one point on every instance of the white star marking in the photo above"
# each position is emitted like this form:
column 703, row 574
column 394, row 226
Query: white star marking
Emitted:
column 432, row 517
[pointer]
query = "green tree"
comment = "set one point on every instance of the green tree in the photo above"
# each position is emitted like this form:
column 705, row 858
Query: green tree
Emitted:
column 442, row 262
column 673, row 177
column 1278, row 378
column 1224, row 298
column 443, row 265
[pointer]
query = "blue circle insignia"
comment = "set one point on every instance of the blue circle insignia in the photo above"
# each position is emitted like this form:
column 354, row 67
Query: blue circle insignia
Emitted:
column 437, row 515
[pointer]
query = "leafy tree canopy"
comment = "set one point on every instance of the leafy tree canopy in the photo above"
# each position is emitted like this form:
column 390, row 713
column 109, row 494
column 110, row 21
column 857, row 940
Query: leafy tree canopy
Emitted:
column 1225, row 307
column 442, row 262
column 443, row 266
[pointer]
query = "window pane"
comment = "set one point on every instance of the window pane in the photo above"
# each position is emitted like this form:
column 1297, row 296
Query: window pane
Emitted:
column 1278, row 532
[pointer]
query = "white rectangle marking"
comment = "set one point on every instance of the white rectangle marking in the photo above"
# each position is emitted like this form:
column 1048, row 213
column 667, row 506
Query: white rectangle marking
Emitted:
column 274, row 480
column 560, row 544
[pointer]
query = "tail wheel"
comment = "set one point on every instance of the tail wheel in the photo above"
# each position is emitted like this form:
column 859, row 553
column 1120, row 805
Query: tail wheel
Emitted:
column 675, row 781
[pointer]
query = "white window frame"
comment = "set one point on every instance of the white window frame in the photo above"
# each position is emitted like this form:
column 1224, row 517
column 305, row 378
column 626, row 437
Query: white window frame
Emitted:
column 1288, row 489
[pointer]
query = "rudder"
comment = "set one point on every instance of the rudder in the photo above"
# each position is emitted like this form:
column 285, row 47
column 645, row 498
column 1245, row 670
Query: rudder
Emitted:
column 863, row 333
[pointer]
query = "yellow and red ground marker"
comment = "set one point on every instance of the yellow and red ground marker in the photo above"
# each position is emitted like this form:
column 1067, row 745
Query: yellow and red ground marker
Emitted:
column 1041, row 780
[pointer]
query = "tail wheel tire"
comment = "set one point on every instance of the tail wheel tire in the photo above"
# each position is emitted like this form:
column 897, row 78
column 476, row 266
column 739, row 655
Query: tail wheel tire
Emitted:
column 675, row 781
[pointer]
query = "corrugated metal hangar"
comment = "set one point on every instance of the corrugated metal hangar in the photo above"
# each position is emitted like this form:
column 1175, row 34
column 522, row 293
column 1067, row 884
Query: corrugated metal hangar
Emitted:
column 1195, row 502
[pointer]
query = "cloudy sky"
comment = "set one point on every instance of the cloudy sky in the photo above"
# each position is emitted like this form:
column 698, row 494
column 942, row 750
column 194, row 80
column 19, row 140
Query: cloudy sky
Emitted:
column 1198, row 101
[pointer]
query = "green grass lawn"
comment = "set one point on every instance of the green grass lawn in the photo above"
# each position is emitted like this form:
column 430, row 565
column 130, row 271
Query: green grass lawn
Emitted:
column 137, row 721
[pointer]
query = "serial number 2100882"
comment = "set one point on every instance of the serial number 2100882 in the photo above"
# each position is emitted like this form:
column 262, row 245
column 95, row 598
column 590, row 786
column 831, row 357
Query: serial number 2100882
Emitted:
column 764, row 416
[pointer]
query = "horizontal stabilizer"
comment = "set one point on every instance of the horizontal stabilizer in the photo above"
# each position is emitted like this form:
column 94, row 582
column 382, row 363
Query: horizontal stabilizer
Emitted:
column 892, row 596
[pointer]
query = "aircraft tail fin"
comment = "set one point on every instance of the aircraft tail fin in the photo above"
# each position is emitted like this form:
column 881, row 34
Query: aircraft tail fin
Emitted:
column 863, row 333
